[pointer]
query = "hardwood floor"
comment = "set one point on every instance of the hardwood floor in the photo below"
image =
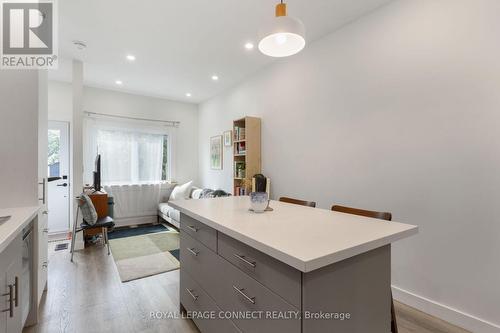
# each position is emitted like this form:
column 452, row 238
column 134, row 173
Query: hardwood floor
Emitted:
column 87, row 296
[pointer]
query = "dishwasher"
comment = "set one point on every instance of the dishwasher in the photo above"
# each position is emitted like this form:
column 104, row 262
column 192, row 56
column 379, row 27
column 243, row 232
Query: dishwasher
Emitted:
column 27, row 273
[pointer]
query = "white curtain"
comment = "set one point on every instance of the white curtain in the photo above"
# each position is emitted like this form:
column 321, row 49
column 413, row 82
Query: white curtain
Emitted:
column 130, row 157
column 131, row 153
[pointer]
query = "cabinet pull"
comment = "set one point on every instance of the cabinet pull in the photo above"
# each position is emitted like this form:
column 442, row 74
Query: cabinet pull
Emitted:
column 253, row 264
column 192, row 228
column 16, row 291
column 190, row 292
column 42, row 199
column 193, row 252
column 241, row 292
column 46, row 230
column 10, row 310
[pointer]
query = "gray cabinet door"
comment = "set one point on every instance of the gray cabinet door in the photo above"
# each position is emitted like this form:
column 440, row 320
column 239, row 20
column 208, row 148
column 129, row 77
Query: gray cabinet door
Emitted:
column 4, row 303
column 199, row 231
column 277, row 276
column 10, row 269
column 359, row 286
column 199, row 261
column 205, row 313
column 237, row 292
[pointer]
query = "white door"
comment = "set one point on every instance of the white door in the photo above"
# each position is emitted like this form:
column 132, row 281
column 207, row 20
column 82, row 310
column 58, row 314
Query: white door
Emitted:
column 58, row 177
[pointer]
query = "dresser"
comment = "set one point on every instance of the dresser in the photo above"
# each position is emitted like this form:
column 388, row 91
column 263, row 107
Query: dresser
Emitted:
column 245, row 272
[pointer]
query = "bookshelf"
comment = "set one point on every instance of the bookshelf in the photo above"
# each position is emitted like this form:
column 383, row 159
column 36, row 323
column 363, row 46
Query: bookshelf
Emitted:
column 246, row 153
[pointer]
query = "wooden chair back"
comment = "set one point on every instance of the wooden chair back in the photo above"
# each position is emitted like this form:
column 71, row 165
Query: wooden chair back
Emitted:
column 298, row 202
column 361, row 212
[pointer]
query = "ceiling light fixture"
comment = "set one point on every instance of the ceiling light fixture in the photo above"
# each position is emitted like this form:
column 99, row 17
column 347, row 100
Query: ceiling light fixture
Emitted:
column 285, row 36
column 119, row 82
column 249, row 46
column 215, row 78
column 188, row 94
column 131, row 57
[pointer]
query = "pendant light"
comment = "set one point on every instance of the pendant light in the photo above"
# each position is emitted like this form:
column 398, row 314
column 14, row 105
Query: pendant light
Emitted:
column 285, row 36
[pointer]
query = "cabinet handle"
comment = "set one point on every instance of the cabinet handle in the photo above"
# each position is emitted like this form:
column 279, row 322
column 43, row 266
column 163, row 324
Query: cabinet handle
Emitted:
column 253, row 264
column 45, row 264
column 190, row 292
column 16, row 291
column 46, row 230
column 43, row 189
column 192, row 228
column 241, row 292
column 10, row 310
column 193, row 252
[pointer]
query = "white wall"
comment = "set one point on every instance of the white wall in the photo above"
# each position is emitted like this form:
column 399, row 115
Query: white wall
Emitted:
column 116, row 103
column 398, row 111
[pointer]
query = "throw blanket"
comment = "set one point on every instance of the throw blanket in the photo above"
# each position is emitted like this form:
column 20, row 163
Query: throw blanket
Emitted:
column 208, row 193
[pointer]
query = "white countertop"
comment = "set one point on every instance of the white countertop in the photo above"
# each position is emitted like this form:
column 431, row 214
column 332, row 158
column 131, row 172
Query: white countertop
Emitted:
column 302, row 237
column 21, row 217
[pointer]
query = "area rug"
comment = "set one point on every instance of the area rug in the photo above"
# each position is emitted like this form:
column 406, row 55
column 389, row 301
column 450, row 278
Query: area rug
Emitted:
column 136, row 231
column 145, row 255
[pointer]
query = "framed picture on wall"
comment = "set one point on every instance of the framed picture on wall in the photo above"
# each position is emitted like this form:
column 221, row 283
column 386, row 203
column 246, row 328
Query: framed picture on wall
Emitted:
column 216, row 152
column 228, row 138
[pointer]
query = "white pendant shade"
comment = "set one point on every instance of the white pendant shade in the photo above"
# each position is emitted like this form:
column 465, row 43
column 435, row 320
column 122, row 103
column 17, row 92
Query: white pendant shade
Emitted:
column 284, row 37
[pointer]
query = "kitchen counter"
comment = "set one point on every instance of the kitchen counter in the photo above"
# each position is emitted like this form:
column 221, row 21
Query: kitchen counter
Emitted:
column 302, row 237
column 21, row 217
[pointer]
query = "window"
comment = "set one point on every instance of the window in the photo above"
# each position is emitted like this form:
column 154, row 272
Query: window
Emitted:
column 54, row 150
column 132, row 157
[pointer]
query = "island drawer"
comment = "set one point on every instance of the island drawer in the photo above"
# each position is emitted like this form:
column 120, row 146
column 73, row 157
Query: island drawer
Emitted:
column 205, row 313
column 277, row 276
column 199, row 231
column 199, row 261
column 239, row 293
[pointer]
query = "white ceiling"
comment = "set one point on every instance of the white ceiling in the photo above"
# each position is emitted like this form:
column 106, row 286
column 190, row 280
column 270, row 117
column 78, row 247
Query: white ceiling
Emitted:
column 180, row 44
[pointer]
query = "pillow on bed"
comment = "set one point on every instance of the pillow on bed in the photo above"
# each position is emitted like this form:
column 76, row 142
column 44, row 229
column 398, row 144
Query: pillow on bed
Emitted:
column 181, row 191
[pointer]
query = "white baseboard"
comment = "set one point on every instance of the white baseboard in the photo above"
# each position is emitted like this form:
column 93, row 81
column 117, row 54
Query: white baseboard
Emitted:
column 446, row 313
column 129, row 221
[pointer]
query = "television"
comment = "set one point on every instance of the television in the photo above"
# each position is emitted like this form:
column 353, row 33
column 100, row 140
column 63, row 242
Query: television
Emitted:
column 97, row 173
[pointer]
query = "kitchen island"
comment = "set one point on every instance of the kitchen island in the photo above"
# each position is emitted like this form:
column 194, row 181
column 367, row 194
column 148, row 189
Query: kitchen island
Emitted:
column 295, row 269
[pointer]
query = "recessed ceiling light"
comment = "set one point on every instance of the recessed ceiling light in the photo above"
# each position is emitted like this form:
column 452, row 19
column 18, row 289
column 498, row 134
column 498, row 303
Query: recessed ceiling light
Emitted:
column 215, row 77
column 188, row 94
column 131, row 57
column 119, row 82
column 249, row 46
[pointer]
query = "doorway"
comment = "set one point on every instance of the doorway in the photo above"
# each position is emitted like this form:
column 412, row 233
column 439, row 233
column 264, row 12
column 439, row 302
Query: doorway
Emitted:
column 58, row 177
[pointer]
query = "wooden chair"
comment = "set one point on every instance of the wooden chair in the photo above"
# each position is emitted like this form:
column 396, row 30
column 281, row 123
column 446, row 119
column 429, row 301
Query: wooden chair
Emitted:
column 377, row 215
column 298, row 202
column 361, row 212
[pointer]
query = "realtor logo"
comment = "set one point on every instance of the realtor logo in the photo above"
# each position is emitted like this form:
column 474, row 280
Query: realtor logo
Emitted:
column 28, row 34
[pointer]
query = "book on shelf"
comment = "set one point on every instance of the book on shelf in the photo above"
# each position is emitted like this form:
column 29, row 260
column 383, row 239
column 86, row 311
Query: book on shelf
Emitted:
column 241, row 148
column 240, row 191
column 239, row 133
column 239, row 169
